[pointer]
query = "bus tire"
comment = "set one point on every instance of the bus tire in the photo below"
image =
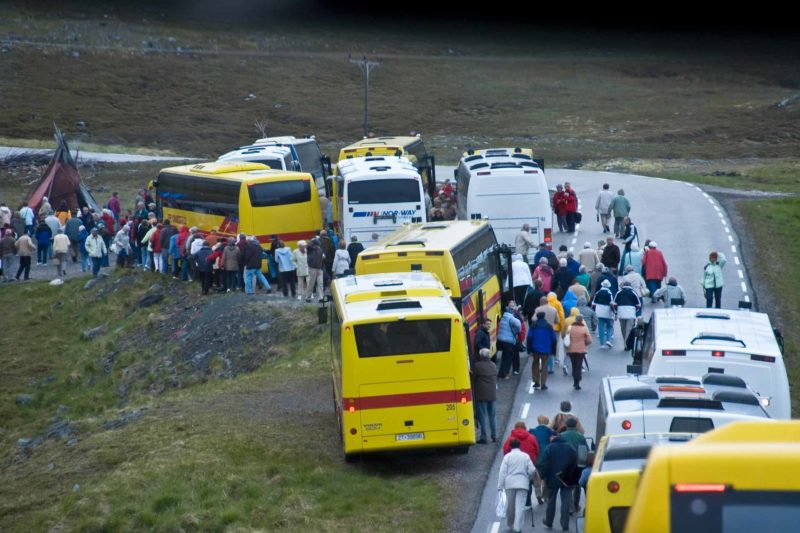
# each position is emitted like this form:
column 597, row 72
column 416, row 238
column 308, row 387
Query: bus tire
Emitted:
column 461, row 450
column 351, row 458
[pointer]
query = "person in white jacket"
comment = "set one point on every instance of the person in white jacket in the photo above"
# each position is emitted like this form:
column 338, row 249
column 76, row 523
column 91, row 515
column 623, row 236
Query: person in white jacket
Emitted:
column 96, row 249
column 602, row 204
column 516, row 473
column 341, row 260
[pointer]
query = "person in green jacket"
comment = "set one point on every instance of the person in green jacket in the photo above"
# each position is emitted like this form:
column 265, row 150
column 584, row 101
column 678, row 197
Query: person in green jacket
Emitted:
column 619, row 207
column 576, row 439
column 713, row 280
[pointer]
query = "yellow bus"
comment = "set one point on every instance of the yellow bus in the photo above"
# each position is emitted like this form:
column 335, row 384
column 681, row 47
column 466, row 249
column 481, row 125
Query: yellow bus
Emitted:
column 618, row 464
column 463, row 255
column 399, row 365
column 239, row 197
column 744, row 476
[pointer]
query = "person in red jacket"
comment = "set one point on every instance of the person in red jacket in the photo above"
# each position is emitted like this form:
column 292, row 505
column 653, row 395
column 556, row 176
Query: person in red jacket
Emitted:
column 655, row 269
column 527, row 444
column 560, row 207
column 571, row 205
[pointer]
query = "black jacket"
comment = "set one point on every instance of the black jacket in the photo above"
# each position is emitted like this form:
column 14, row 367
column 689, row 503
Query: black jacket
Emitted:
column 558, row 460
column 562, row 279
column 354, row 248
column 202, row 259
column 166, row 234
column 482, row 340
column 251, row 258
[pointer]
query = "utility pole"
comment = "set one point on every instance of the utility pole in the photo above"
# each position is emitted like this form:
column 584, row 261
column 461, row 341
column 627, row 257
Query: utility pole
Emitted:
column 366, row 67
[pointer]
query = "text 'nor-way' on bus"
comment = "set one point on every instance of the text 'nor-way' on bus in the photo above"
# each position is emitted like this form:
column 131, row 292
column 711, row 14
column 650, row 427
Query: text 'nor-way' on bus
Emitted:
column 508, row 187
column 375, row 196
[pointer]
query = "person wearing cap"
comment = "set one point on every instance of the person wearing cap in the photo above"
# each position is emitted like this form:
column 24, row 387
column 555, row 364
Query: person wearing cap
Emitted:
column 580, row 339
column 713, row 279
column 603, row 307
column 655, row 268
column 96, row 249
column 588, row 257
column 507, row 332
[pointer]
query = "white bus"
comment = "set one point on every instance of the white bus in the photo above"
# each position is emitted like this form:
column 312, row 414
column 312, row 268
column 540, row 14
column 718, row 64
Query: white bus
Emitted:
column 693, row 342
column 632, row 404
column 507, row 186
column 275, row 157
column 377, row 195
column 305, row 152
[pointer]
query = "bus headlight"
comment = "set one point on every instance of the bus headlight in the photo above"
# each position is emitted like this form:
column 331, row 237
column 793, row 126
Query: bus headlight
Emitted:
column 765, row 401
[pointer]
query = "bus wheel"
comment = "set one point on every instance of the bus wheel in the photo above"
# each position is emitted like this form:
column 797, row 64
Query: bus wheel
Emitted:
column 461, row 450
column 351, row 458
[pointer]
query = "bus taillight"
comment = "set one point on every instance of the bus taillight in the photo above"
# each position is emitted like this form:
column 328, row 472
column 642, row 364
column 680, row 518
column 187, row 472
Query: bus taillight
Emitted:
column 700, row 487
column 548, row 235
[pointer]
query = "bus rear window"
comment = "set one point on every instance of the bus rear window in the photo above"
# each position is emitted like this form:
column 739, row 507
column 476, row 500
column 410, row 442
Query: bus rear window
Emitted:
column 279, row 193
column 733, row 511
column 388, row 191
column 691, row 425
column 403, row 337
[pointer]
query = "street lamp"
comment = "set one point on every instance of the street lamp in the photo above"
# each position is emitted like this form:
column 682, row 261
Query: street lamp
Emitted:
column 366, row 67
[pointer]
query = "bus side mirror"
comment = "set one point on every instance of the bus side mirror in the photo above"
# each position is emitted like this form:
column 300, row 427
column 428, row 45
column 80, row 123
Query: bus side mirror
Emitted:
column 633, row 369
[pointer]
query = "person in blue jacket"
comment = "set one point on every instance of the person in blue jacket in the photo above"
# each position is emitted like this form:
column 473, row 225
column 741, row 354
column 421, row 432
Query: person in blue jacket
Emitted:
column 541, row 339
column 43, row 237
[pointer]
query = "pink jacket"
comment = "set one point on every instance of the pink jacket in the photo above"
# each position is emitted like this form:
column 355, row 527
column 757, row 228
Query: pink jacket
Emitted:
column 579, row 339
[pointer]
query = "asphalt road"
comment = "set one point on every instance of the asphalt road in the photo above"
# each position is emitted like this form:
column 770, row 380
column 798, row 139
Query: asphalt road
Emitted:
column 687, row 224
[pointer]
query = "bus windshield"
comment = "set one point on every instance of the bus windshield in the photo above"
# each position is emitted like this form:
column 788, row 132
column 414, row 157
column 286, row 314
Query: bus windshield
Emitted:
column 403, row 337
column 279, row 193
column 383, row 191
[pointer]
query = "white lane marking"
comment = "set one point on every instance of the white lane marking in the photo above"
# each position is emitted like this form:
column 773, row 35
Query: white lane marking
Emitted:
column 727, row 230
column 741, row 274
column 525, row 408
column 495, row 527
column 530, row 388
column 736, row 259
column 717, row 209
column 746, row 298
column 744, row 287
column 733, row 248
column 706, row 195
column 730, row 238
column 724, row 222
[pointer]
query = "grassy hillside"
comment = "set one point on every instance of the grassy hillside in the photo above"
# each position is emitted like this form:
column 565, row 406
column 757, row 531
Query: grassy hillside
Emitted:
column 227, row 424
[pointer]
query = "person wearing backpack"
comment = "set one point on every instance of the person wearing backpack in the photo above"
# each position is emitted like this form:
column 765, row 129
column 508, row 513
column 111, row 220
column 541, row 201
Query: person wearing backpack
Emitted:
column 713, row 279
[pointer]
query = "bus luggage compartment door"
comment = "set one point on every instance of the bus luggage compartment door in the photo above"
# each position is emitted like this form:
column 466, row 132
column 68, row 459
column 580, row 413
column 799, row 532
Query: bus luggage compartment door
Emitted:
column 409, row 410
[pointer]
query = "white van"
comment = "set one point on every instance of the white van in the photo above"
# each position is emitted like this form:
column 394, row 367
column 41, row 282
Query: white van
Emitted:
column 377, row 195
column 674, row 404
column 507, row 186
column 694, row 342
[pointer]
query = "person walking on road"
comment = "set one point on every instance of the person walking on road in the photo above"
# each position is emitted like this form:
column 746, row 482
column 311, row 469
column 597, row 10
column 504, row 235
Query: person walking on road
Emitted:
column 611, row 255
column 316, row 264
column 602, row 205
column 571, row 207
column 507, row 332
column 544, row 273
column 541, row 339
column 629, row 237
column 516, row 473
column 522, row 278
column 619, row 208
column 25, row 248
column 529, row 445
column 655, row 268
column 713, row 279
column 588, row 257
column 580, row 339
column 523, row 242
column 560, row 208
column 484, row 380
column 603, row 307
column 555, row 465
column 627, row 306
column 543, row 433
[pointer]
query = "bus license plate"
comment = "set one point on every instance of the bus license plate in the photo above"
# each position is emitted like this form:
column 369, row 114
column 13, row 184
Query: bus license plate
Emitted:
column 409, row 436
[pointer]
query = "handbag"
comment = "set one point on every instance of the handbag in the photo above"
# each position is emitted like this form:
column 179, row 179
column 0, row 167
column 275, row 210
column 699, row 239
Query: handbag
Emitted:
column 567, row 337
column 501, row 504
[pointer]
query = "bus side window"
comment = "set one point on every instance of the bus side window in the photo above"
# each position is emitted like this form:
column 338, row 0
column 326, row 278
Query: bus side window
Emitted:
column 649, row 344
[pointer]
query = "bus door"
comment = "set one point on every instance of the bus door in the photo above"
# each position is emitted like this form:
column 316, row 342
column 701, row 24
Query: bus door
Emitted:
column 503, row 253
